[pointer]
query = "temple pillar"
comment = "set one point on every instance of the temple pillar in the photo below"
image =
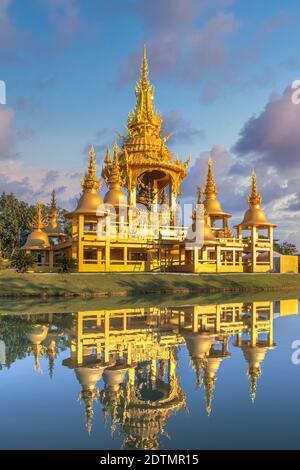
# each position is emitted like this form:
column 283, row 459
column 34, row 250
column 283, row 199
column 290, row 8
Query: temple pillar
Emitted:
column 125, row 255
column 153, row 370
column 271, row 336
column 253, row 248
column 106, row 337
column 218, row 257
column 195, row 259
column 132, row 197
column 195, row 322
column 51, row 263
column 270, row 234
column 107, row 243
column 80, row 236
column 253, row 335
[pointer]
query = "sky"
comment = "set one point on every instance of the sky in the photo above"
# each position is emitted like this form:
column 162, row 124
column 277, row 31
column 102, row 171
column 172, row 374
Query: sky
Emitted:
column 222, row 72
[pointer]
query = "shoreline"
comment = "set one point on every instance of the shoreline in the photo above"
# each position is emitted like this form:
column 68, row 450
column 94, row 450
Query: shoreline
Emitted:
column 103, row 285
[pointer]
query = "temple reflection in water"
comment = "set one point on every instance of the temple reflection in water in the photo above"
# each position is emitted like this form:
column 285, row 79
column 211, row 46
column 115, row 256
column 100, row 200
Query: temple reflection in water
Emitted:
column 126, row 360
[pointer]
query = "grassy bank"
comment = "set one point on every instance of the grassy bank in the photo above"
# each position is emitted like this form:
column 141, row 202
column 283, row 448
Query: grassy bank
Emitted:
column 77, row 304
column 14, row 285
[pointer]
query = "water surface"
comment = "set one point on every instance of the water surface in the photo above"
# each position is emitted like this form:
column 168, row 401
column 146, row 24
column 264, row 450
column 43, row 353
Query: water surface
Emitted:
column 183, row 376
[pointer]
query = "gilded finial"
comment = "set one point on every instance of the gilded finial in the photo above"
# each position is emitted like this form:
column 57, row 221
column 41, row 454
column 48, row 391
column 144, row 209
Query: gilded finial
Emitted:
column 37, row 353
column 114, row 178
column 53, row 202
column 198, row 365
column 116, row 153
column 209, row 383
column 88, row 396
column 254, row 198
column 143, row 118
column 253, row 373
column 144, row 67
column 90, row 181
column 38, row 220
column 107, row 160
column 210, row 188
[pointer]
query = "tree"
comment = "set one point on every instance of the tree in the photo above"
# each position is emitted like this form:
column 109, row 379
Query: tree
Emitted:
column 65, row 264
column 23, row 261
column 15, row 223
column 285, row 248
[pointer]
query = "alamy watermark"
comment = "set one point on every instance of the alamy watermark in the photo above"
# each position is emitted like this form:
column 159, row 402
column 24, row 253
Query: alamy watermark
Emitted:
column 296, row 354
column 296, row 94
column 2, row 92
column 161, row 223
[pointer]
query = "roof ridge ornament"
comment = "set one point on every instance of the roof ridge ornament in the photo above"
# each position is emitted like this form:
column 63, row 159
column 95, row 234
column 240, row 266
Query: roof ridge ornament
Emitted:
column 38, row 222
column 254, row 198
column 210, row 188
column 90, row 181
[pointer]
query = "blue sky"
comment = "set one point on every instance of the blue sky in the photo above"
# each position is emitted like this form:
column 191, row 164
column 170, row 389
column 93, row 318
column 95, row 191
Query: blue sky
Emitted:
column 70, row 67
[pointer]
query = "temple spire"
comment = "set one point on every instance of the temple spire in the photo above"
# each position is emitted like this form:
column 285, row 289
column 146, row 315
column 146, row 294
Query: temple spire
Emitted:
column 210, row 188
column 144, row 68
column 253, row 373
column 114, row 178
column 209, row 383
column 90, row 181
column 254, row 198
column 38, row 220
column 143, row 118
column 107, row 160
column 53, row 203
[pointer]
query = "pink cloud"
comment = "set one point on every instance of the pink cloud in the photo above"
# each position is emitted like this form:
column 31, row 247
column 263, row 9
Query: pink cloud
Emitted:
column 6, row 131
column 273, row 137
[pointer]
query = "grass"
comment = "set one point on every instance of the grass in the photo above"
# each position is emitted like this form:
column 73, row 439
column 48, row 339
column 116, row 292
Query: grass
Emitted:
column 77, row 304
column 14, row 285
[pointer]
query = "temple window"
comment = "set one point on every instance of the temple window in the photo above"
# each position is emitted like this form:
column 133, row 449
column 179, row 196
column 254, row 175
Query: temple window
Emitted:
column 90, row 255
column 137, row 255
column 90, row 226
column 263, row 234
column 117, row 254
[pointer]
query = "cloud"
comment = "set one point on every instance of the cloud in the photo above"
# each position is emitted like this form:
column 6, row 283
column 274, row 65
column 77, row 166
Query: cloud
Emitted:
column 32, row 183
column 279, row 21
column 65, row 17
column 270, row 142
column 182, row 129
column 177, row 45
column 102, row 139
column 30, row 102
column 197, row 173
column 11, row 36
column 273, row 138
column 7, row 117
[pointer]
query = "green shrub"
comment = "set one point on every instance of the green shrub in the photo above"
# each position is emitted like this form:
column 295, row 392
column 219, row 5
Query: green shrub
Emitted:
column 65, row 264
column 22, row 261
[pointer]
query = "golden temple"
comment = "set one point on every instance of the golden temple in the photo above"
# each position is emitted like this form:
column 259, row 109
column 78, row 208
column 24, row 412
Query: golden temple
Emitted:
column 138, row 226
column 134, row 353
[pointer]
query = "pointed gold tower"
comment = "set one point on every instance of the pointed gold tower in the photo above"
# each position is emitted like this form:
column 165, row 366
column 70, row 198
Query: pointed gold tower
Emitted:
column 213, row 206
column 255, row 216
column 258, row 254
column 114, row 180
column 37, row 240
column 90, row 200
column 145, row 160
column 53, row 228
